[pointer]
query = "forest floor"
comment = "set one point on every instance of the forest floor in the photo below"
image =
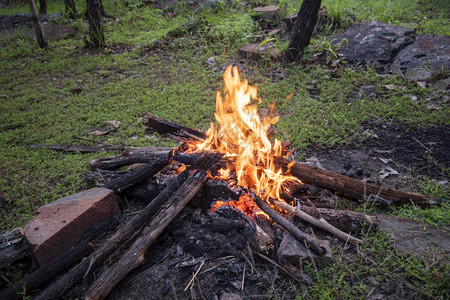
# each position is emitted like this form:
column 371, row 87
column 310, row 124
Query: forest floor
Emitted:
column 154, row 64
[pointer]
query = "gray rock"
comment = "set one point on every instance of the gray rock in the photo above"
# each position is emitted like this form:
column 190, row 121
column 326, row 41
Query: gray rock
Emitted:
column 373, row 43
column 426, row 57
column 290, row 250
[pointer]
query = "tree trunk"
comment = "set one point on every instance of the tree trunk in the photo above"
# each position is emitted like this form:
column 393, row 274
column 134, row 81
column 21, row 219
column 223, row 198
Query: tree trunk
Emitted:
column 42, row 6
column 71, row 8
column 94, row 10
column 303, row 29
column 40, row 35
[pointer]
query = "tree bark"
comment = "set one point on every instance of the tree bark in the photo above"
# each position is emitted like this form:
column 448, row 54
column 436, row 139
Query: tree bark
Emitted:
column 123, row 236
column 303, row 29
column 134, row 256
column 71, row 8
column 40, row 35
column 42, row 6
column 94, row 10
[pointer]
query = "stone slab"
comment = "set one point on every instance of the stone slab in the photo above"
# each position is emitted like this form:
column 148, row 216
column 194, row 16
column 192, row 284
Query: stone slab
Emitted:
column 61, row 224
column 255, row 52
column 373, row 43
column 411, row 236
column 426, row 57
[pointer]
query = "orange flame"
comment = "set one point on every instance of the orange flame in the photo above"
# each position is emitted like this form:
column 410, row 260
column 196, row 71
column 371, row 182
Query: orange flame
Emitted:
column 242, row 136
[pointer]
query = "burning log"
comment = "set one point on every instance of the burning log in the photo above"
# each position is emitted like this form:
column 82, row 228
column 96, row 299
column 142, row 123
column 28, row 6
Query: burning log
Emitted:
column 134, row 256
column 291, row 228
column 128, row 157
column 350, row 187
column 122, row 236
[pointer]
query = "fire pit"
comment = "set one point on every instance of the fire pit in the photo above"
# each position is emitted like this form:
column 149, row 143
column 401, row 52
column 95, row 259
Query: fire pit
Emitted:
column 240, row 176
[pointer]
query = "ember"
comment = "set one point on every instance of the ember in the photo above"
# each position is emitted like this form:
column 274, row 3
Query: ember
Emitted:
column 242, row 136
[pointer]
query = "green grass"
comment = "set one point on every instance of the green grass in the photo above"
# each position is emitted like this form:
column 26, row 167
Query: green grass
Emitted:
column 60, row 96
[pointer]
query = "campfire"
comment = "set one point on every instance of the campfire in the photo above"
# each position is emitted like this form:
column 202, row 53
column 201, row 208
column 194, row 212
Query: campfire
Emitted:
column 241, row 137
column 245, row 180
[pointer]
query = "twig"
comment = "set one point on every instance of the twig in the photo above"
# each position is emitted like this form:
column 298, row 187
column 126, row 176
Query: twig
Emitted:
column 193, row 277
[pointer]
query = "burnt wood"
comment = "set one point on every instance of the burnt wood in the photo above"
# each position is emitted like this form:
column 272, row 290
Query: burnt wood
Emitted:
column 123, row 236
column 134, row 256
column 172, row 130
column 139, row 175
column 303, row 28
column 129, row 157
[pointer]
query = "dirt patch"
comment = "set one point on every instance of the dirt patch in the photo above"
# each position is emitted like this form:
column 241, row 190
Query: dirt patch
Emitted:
column 409, row 151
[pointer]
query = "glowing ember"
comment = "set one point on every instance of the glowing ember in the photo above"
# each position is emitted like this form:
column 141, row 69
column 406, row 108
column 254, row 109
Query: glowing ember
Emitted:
column 242, row 136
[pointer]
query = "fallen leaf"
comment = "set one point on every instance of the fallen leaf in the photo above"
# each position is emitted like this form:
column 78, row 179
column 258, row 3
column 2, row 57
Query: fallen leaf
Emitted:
column 113, row 124
column 387, row 171
column 390, row 86
column 384, row 160
column 98, row 133
column 289, row 97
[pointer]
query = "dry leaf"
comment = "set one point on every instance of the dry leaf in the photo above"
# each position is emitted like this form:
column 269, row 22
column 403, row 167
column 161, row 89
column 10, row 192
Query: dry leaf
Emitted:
column 98, row 133
column 389, row 86
column 289, row 97
column 113, row 124
column 387, row 171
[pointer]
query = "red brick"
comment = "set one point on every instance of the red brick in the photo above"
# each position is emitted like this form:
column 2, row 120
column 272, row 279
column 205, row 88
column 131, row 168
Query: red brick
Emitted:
column 61, row 224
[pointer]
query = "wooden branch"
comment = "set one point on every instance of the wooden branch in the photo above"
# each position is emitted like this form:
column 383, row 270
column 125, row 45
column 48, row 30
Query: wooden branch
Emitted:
column 134, row 256
column 291, row 228
column 78, row 148
column 128, row 157
column 201, row 159
column 350, row 187
column 319, row 222
column 349, row 221
column 139, row 175
column 172, row 130
column 69, row 280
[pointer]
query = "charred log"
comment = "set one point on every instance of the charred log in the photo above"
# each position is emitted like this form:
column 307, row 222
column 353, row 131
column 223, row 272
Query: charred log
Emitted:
column 139, row 175
column 128, row 157
column 172, row 130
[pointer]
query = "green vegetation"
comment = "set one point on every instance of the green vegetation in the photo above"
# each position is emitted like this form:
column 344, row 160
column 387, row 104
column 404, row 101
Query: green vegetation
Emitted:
column 153, row 64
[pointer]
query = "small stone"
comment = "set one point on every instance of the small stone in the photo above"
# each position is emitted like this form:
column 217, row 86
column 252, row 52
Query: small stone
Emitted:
column 348, row 165
column 229, row 296
column 61, row 224
column 267, row 13
column 211, row 61
column 255, row 52
column 292, row 251
column 113, row 124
